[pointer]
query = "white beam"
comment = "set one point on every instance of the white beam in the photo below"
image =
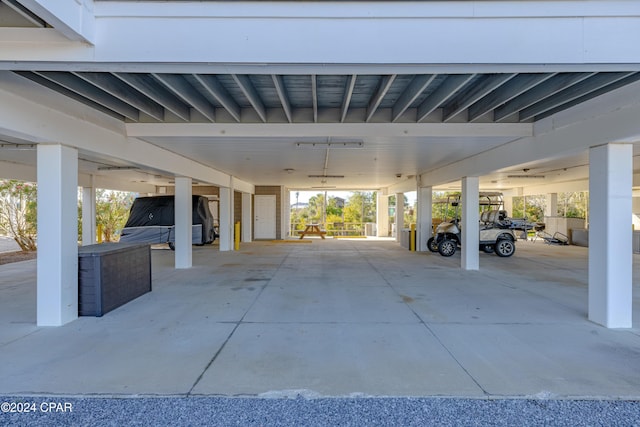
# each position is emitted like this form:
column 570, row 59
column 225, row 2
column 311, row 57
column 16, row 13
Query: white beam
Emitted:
column 610, row 245
column 556, row 33
column 183, row 222
column 73, row 18
column 57, row 263
column 340, row 130
column 470, row 259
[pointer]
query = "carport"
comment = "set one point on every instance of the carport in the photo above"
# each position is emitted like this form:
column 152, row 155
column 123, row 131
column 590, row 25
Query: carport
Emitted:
column 104, row 94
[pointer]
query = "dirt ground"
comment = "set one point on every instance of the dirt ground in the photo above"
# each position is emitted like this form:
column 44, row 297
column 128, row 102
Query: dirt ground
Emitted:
column 9, row 257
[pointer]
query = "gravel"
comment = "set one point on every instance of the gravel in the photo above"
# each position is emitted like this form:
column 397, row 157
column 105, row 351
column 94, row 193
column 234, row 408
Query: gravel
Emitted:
column 301, row 411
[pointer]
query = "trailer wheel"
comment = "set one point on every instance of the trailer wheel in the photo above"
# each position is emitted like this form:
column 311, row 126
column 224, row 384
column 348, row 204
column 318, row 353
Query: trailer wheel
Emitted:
column 447, row 247
column 505, row 247
column 172, row 246
column 432, row 244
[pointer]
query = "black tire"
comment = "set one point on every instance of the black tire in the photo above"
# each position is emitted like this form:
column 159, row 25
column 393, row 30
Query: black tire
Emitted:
column 172, row 246
column 447, row 247
column 432, row 244
column 505, row 247
column 487, row 249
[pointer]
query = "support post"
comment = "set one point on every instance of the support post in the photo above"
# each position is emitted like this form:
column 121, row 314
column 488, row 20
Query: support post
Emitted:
column 399, row 215
column 226, row 219
column 183, row 223
column 57, row 262
column 382, row 214
column 551, row 207
column 246, row 217
column 470, row 259
column 610, row 236
column 89, row 214
column 425, row 220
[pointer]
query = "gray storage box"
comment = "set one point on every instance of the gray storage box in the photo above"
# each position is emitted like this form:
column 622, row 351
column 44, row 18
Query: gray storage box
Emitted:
column 110, row 275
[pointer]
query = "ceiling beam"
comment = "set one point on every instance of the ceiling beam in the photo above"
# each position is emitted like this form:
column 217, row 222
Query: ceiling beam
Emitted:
column 572, row 92
column 278, row 82
column 348, row 93
column 156, row 92
column 215, row 89
column 323, row 130
column 511, row 89
column 617, row 84
column 410, row 94
column 113, row 106
column 115, row 87
column 549, row 87
column 181, row 88
column 95, row 94
column 314, row 96
column 383, row 88
column 445, row 91
column 473, row 94
column 244, row 83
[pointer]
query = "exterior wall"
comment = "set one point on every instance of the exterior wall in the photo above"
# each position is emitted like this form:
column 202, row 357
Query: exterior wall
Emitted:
column 271, row 190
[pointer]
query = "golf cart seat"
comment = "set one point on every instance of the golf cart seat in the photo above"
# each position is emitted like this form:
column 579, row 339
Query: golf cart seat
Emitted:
column 493, row 217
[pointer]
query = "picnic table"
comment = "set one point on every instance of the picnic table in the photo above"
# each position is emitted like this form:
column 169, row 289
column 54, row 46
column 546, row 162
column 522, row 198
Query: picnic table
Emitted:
column 313, row 229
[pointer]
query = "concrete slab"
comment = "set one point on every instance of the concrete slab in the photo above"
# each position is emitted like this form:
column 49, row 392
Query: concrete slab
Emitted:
column 335, row 360
column 332, row 318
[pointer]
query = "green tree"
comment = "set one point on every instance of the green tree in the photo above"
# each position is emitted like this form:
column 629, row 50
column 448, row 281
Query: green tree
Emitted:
column 18, row 212
column 360, row 207
column 112, row 212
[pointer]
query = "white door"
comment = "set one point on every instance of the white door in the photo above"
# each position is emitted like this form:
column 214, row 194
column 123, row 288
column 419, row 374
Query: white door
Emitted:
column 265, row 217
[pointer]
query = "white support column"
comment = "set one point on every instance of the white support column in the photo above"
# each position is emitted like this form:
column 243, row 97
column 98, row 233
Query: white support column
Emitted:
column 226, row 219
column 382, row 215
column 610, row 237
column 425, row 222
column 57, row 263
column 246, row 217
column 184, row 221
column 89, row 214
column 470, row 227
column 551, row 207
column 399, row 215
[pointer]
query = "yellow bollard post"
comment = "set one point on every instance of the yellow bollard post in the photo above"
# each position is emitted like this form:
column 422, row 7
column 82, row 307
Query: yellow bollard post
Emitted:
column 99, row 232
column 412, row 238
column 236, row 238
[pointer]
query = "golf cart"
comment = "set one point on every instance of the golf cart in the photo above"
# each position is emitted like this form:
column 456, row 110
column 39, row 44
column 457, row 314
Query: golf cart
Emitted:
column 496, row 234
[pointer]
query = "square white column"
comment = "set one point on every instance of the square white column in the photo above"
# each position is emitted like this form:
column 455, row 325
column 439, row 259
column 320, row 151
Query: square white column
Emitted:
column 382, row 214
column 399, row 215
column 57, row 263
column 551, row 207
column 246, row 217
column 610, row 235
column 89, row 214
column 226, row 219
column 470, row 259
column 425, row 222
column 183, row 223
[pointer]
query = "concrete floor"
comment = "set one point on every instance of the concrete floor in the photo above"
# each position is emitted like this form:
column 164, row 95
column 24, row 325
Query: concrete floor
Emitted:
column 331, row 318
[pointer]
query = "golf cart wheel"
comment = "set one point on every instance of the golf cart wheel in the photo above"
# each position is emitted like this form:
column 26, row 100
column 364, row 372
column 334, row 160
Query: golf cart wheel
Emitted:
column 432, row 244
column 505, row 247
column 172, row 246
column 487, row 249
column 447, row 247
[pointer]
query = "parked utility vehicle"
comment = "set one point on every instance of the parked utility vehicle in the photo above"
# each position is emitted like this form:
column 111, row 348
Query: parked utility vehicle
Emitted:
column 496, row 233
